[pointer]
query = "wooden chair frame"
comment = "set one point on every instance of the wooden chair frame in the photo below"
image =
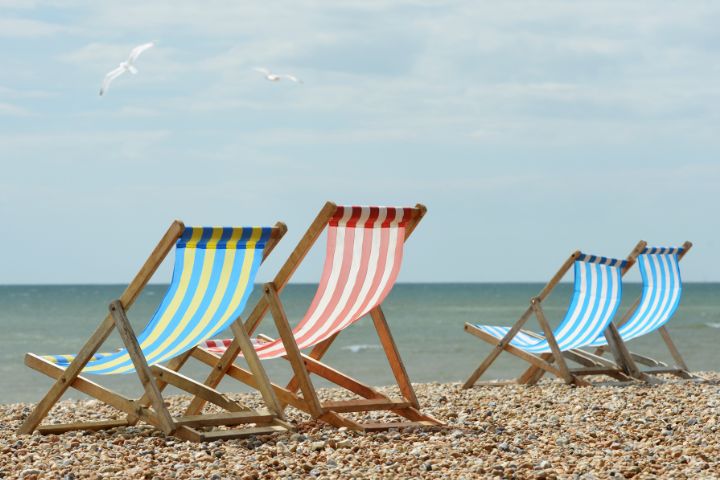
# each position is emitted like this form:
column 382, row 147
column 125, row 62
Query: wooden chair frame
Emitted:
column 305, row 364
column 151, row 408
column 621, row 369
column 655, row 367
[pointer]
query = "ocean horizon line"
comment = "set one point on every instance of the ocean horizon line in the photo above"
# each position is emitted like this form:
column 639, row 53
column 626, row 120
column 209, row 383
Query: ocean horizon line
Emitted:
column 448, row 282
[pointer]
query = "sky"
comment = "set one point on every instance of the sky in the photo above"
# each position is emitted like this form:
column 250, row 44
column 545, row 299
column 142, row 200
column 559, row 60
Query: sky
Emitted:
column 529, row 129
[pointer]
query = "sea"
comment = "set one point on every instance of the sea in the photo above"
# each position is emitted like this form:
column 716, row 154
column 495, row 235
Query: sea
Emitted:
column 426, row 321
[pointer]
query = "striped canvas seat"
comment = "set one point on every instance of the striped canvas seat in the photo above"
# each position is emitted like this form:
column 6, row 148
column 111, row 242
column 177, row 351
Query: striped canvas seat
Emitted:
column 214, row 273
column 662, row 288
column 363, row 257
column 596, row 297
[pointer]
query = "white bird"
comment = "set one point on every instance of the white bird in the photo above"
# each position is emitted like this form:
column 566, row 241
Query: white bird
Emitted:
column 126, row 66
column 275, row 77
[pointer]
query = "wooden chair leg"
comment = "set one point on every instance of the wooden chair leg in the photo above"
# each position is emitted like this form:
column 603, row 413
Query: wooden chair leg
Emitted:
column 251, row 357
column 393, row 356
column 557, row 354
column 679, row 361
column 293, row 352
column 620, row 352
column 141, row 366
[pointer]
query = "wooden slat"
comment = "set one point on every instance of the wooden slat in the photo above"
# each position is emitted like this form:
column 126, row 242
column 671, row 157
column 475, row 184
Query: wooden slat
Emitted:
column 365, row 404
column 196, row 388
column 497, row 383
column 673, row 370
column 243, row 433
column 593, row 371
column 650, row 362
column 122, row 324
column 589, row 360
column 380, row 426
column 59, row 428
column 216, row 419
column 103, row 331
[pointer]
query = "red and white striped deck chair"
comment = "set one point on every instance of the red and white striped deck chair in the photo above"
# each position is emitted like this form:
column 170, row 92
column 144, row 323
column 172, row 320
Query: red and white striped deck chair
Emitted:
column 364, row 253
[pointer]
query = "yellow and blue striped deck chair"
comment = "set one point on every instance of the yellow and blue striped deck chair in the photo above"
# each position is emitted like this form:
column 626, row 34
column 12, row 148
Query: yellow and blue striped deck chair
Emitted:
column 213, row 276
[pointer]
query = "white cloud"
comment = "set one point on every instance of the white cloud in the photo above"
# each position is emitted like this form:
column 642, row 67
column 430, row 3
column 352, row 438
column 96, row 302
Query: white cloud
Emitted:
column 13, row 110
column 25, row 28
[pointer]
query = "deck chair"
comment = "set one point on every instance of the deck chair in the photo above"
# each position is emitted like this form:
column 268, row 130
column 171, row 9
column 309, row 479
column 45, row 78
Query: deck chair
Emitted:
column 662, row 289
column 596, row 297
column 213, row 276
column 364, row 252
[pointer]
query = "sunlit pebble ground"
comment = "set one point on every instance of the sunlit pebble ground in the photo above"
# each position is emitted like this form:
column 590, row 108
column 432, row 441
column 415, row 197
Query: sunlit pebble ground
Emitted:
column 548, row 431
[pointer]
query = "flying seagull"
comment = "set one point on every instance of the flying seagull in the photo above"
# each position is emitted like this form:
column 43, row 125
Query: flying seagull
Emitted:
column 275, row 77
column 126, row 66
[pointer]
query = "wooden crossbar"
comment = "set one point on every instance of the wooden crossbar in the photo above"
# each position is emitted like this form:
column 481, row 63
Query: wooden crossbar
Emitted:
column 217, row 419
column 365, row 404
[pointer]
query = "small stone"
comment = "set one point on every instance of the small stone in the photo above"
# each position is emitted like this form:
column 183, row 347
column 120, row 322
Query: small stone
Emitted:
column 314, row 446
column 345, row 443
column 504, row 447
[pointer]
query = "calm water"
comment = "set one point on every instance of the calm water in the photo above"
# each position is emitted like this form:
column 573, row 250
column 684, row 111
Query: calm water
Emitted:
column 426, row 320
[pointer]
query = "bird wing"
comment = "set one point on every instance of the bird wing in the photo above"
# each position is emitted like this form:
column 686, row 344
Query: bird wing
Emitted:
column 264, row 71
column 293, row 78
column 109, row 77
column 135, row 53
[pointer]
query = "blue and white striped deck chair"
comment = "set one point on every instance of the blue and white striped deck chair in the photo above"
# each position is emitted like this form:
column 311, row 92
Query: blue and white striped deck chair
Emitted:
column 661, row 292
column 214, row 274
column 596, row 297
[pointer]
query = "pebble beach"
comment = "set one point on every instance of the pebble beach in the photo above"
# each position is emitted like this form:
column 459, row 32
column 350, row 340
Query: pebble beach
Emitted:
column 548, row 431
